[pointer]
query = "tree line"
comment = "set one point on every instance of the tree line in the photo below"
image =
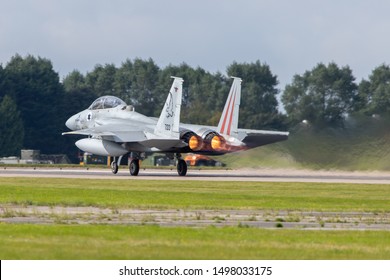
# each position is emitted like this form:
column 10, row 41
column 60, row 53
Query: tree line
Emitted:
column 35, row 103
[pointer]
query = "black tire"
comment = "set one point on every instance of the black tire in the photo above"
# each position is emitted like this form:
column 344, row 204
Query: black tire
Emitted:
column 181, row 167
column 114, row 167
column 134, row 167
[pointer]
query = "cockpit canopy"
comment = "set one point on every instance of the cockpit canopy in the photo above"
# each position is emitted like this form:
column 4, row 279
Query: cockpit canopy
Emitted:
column 106, row 102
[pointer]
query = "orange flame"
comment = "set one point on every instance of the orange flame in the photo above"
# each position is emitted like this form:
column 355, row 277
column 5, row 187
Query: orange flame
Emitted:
column 195, row 143
column 218, row 143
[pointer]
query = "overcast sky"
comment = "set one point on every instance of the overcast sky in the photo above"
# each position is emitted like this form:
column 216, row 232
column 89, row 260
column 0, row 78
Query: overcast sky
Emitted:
column 291, row 36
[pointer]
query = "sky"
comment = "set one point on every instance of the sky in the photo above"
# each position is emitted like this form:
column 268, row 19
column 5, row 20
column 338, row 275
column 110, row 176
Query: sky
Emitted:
column 290, row 36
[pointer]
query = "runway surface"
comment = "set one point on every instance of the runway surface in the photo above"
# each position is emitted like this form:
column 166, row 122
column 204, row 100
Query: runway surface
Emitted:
column 256, row 175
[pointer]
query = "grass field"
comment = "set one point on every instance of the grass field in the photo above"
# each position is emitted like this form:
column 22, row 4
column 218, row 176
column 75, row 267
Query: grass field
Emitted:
column 153, row 242
column 58, row 241
column 195, row 194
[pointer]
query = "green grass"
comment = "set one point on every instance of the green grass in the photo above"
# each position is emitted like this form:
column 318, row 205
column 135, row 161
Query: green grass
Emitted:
column 58, row 241
column 195, row 194
column 152, row 242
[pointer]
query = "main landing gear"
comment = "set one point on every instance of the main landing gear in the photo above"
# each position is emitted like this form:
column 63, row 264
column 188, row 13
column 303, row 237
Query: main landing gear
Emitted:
column 134, row 165
column 181, row 166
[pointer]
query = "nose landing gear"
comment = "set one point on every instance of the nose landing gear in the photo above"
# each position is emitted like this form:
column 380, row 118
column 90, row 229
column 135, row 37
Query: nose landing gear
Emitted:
column 115, row 164
column 114, row 167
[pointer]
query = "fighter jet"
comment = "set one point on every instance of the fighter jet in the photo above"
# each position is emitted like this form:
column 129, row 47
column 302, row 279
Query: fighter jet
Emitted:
column 115, row 129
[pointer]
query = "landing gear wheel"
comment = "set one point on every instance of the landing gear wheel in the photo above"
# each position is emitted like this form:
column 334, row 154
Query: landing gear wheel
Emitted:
column 134, row 167
column 114, row 167
column 181, row 167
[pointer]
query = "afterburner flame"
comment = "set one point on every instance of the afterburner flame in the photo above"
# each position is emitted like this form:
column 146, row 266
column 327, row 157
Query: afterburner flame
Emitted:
column 195, row 143
column 218, row 143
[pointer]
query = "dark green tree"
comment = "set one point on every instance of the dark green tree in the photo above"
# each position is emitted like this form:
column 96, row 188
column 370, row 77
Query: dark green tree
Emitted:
column 259, row 104
column 143, row 84
column 101, row 80
column 75, row 81
column 11, row 128
column 124, row 78
column 2, row 78
column 322, row 96
column 135, row 82
column 78, row 95
column 374, row 94
column 33, row 84
column 203, row 93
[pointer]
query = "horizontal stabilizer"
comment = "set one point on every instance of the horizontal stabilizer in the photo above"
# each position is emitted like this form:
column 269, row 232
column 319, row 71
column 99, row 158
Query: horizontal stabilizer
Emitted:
column 254, row 139
column 120, row 136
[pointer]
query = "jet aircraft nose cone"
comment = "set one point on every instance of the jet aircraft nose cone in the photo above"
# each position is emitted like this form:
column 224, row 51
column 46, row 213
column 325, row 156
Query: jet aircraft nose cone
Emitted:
column 71, row 123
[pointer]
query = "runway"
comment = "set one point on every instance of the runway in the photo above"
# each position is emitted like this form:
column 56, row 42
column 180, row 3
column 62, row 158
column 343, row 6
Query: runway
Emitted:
column 254, row 175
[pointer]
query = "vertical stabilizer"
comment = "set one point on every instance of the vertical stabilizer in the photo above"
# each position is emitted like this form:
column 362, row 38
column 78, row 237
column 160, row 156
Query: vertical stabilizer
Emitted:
column 228, row 124
column 168, row 123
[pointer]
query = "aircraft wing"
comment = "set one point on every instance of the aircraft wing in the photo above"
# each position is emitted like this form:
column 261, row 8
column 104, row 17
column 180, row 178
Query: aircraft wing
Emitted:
column 130, row 135
column 116, row 133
